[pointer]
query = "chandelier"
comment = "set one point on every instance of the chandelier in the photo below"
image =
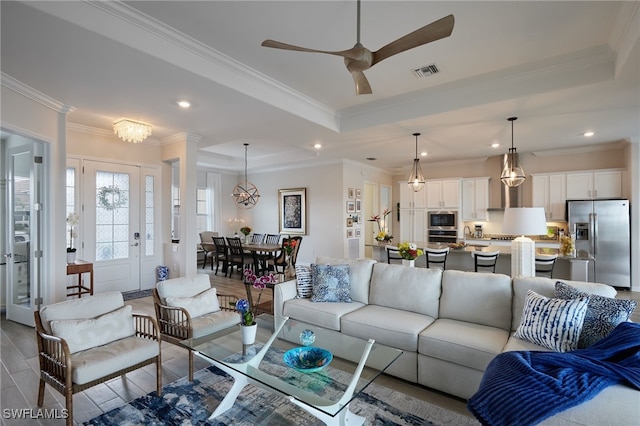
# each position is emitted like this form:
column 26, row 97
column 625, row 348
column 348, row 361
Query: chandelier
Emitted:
column 245, row 193
column 131, row 131
column 416, row 178
column 512, row 172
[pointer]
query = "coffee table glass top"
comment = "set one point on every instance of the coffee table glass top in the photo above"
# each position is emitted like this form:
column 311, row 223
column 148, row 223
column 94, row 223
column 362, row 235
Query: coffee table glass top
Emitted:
column 326, row 390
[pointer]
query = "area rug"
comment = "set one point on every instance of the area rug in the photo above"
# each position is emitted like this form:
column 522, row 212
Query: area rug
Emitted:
column 136, row 294
column 190, row 403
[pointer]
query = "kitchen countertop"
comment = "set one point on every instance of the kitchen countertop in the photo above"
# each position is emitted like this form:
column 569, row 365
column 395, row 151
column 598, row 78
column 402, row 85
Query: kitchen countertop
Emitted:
column 506, row 251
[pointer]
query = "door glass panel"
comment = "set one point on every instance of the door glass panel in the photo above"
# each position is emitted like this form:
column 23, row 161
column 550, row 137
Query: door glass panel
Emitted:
column 21, row 201
column 112, row 215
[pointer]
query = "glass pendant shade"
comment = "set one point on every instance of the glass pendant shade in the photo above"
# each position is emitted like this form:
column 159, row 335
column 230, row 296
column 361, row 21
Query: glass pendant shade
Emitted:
column 245, row 193
column 512, row 172
column 416, row 179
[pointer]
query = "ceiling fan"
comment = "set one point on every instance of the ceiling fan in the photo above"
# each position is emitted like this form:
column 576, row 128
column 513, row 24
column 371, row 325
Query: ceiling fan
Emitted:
column 359, row 58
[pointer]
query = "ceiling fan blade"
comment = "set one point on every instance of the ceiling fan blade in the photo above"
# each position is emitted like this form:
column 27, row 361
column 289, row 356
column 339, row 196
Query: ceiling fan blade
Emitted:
column 362, row 84
column 353, row 53
column 434, row 31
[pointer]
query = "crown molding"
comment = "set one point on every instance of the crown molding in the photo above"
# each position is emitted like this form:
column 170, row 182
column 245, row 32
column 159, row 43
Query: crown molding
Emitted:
column 581, row 149
column 33, row 94
column 625, row 33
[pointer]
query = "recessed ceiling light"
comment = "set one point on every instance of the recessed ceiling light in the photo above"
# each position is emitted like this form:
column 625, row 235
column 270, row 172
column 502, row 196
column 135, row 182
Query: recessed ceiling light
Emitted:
column 317, row 145
column 495, row 145
column 423, row 153
column 588, row 134
column 184, row 104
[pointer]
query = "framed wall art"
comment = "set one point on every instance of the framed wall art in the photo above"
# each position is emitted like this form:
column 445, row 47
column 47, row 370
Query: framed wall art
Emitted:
column 349, row 222
column 358, row 193
column 358, row 233
column 351, row 207
column 350, row 233
column 350, row 192
column 292, row 211
column 358, row 205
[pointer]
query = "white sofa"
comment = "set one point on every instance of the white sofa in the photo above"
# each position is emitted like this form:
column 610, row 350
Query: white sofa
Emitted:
column 449, row 325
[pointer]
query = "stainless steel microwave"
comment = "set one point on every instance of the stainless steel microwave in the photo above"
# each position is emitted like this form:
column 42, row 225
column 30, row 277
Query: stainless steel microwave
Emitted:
column 443, row 219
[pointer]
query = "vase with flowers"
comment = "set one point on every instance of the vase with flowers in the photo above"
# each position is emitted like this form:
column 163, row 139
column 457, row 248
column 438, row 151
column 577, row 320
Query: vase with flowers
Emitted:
column 246, row 230
column 73, row 219
column 247, row 312
column 289, row 270
column 409, row 252
column 382, row 235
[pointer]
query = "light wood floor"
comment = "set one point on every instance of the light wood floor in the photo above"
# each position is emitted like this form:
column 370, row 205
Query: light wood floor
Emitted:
column 19, row 369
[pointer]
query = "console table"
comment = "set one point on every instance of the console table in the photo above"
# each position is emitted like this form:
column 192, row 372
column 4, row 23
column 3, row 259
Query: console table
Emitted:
column 78, row 268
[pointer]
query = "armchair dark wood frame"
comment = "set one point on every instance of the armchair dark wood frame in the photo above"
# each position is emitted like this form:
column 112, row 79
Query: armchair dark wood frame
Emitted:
column 175, row 323
column 56, row 368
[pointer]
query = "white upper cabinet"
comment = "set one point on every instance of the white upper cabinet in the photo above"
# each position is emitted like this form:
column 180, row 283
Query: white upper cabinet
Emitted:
column 413, row 225
column 410, row 199
column 475, row 199
column 549, row 192
column 443, row 194
column 594, row 184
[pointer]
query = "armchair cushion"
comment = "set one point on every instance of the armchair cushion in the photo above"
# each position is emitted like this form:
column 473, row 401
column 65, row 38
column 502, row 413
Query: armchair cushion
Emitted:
column 86, row 307
column 82, row 334
column 198, row 305
column 183, row 286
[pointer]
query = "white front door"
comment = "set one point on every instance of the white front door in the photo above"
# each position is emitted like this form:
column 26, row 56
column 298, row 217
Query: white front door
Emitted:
column 112, row 202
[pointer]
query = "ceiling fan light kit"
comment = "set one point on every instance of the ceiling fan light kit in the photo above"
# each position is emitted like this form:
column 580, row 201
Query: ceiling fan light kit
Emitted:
column 512, row 172
column 416, row 179
column 359, row 58
column 245, row 193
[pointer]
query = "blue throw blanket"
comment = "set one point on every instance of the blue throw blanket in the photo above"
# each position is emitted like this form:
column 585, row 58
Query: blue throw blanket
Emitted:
column 526, row 387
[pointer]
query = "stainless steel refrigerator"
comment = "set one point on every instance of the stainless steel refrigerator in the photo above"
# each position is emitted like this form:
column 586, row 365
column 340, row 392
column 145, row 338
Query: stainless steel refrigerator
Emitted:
column 602, row 229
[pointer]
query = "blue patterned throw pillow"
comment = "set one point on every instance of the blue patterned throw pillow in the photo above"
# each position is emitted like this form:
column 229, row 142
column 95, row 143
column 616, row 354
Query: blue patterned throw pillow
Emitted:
column 331, row 283
column 303, row 281
column 603, row 313
column 553, row 323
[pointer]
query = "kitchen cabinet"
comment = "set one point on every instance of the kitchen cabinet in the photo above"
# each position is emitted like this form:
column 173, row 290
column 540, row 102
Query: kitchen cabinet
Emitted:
column 443, row 194
column 549, row 192
column 475, row 199
column 594, row 184
column 410, row 199
column 413, row 225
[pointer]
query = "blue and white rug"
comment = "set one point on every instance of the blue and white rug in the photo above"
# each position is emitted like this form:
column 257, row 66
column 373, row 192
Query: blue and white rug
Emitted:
column 190, row 403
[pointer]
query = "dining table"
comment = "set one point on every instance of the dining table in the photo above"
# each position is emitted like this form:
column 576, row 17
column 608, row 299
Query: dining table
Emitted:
column 257, row 249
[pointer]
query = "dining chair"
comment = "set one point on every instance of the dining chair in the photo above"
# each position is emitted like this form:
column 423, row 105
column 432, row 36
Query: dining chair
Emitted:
column 207, row 246
column 545, row 265
column 280, row 260
column 272, row 239
column 393, row 255
column 220, row 255
column 436, row 257
column 257, row 238
column 485, row 260
column 236, row 255
column 264, row 258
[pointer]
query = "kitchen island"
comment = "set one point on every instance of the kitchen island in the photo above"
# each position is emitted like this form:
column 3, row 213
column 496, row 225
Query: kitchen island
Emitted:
column 568, row 267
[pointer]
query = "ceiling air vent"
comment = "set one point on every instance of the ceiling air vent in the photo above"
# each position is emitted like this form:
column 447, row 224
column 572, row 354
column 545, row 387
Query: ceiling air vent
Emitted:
column 426, row 71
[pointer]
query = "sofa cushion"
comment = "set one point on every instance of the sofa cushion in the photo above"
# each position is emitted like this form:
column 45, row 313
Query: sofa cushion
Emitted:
column 82, row 334
column 516, row 344
column 477, row 298
column 360, row 275
column 103, row 360
column 86, row 307
column 388, row 326
column 183, row 286
column 304, row 287
column 603, row 313
column 406, row 289
column 331, row 283
column 325, row 315
column 553, row 323
column 212, row 322
column 463, row 343
column 198, row 305
column 547, row 287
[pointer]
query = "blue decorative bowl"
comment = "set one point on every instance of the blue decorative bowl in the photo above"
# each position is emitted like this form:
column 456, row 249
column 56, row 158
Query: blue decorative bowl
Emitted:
column 308, row 359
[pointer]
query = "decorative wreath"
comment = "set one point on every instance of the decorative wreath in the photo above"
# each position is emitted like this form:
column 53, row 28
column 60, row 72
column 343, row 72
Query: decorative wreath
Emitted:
column 111, row 197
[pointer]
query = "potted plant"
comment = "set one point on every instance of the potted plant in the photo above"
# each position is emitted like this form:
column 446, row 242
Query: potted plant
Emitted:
column 409, row 252
column 289, row 270
column 246, row 230
column 248, row 324
column 383, row 234
column 72, row 221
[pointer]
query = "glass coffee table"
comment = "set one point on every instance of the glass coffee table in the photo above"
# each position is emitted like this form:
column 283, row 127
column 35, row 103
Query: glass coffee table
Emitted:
column 325, row 394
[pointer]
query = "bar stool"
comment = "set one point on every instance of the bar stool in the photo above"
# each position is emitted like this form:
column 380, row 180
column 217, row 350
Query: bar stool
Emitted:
column 545, row 264
column 485, row 260
column 393, row 254
column 438, row 257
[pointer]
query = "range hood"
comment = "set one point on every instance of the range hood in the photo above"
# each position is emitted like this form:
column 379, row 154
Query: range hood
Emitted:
column 509, row 196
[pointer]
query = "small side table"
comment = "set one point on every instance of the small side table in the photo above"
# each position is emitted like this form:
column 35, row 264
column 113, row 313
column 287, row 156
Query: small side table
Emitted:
column 78, row 268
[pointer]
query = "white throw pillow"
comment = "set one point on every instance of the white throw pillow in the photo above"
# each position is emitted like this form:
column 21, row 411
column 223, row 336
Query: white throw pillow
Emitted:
column 198, row 305
column 89, row 333
column 304, row 286
column 553, row 323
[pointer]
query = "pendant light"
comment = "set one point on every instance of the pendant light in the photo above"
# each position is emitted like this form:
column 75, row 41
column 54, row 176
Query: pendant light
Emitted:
column 416, row 178
column 512, row 172
column 245, row 193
